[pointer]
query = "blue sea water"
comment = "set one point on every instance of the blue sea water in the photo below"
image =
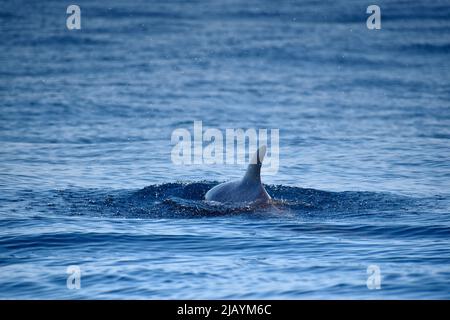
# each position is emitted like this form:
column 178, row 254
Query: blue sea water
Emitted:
column 86, row 176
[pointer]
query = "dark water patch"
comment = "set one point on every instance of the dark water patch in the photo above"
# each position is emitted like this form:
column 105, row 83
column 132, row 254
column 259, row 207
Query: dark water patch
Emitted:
column 186, row 200
column 68, row 41
column 427, row 48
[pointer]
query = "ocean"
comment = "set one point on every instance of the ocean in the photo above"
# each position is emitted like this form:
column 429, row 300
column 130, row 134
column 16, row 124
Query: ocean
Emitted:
column 362, row 194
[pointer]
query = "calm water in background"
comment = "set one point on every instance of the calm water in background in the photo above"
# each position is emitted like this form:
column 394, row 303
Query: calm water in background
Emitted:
column 85, row 171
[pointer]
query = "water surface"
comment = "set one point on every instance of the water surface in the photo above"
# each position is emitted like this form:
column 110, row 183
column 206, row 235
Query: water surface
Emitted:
column 86, row 176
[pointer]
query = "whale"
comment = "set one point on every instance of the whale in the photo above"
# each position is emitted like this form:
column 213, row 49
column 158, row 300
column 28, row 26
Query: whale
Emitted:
column 249, row 189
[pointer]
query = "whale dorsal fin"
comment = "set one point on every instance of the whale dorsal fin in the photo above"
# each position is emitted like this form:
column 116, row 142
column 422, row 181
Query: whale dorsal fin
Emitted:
column 253, row 173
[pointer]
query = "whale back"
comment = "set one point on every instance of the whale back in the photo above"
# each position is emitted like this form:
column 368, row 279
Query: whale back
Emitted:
column 247, row 189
